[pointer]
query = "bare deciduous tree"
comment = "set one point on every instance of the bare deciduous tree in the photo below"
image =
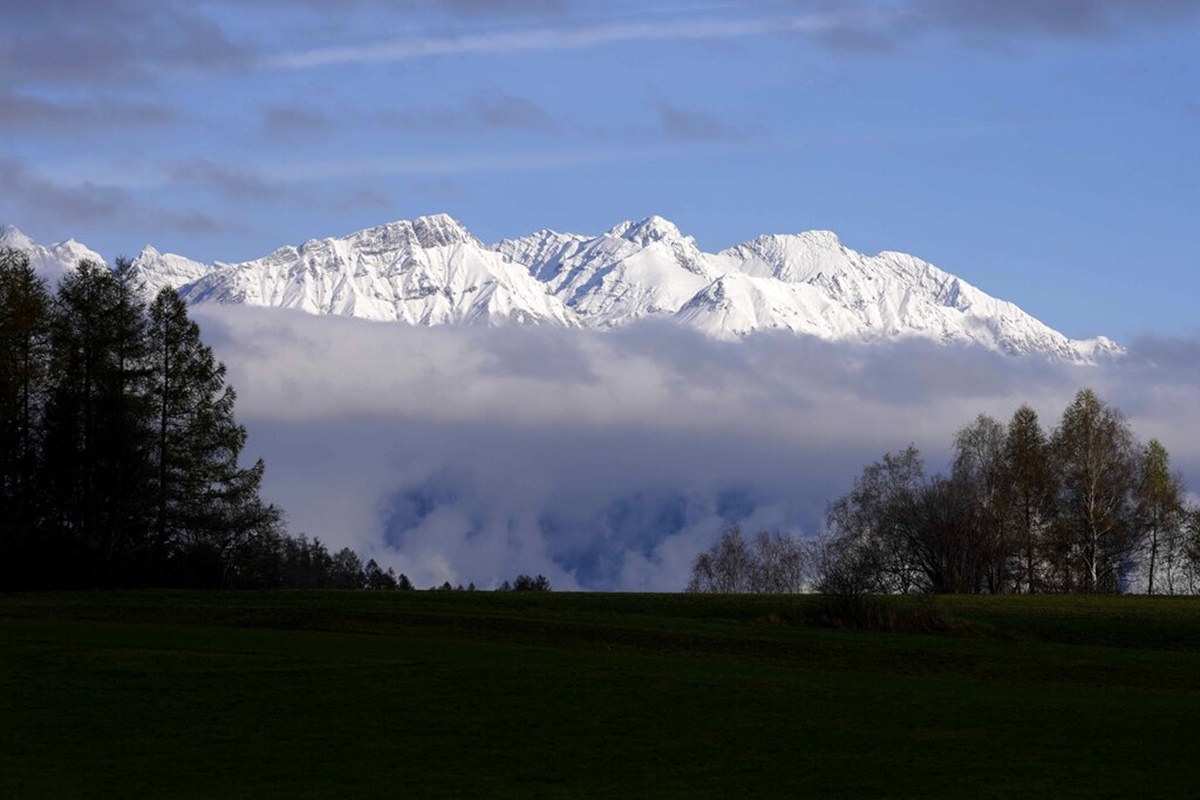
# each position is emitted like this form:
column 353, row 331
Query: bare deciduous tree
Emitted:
column 768, row 564
column 1087, row 510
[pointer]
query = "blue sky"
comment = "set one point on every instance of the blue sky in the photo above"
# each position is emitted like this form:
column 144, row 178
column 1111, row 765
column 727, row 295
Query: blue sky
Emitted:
column 1048, row 152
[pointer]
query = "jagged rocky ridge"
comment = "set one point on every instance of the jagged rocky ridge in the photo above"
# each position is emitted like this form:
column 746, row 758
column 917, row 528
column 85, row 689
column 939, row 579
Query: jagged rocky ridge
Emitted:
column 432, row 271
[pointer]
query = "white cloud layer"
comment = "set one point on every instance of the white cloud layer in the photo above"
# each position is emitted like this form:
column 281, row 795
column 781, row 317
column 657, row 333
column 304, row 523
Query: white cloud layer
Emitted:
column 607, row 461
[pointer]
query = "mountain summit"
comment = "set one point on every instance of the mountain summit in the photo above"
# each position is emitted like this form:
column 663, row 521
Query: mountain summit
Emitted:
column 433, row 271
column 50, row 262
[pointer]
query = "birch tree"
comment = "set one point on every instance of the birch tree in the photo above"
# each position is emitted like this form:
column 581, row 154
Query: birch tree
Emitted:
column 1094, row 454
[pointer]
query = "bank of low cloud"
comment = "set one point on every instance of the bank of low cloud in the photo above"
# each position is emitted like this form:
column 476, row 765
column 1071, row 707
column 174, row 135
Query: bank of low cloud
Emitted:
column 609, row 460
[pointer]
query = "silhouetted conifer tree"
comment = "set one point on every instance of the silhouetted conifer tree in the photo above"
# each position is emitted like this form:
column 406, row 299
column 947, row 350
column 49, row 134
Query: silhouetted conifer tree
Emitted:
column 206, row 506
column 24, row 361
column 98, row 426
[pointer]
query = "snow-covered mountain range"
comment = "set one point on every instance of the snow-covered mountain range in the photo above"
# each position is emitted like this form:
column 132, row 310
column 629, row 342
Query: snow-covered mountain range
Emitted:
column 432, row 271
column 50, row 262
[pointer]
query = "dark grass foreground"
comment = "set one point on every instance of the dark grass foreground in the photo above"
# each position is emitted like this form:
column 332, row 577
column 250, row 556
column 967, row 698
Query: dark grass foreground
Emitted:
column 477, row 694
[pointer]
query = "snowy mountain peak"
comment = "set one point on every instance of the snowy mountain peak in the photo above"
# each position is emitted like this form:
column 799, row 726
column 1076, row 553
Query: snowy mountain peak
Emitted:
column 52, row 262
column 819, row 240
column 433, row 271
column 153, row 271
column 440, row 230
column 793, row 257
column 651, row 229
column 428, row 271
column 436, row 230
column 11, row 236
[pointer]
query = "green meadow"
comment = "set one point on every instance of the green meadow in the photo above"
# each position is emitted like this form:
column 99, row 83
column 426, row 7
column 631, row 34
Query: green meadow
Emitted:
column 457, row 694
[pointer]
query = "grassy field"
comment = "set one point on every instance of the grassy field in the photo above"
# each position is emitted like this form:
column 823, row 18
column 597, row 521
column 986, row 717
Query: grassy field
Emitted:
column 331, row 694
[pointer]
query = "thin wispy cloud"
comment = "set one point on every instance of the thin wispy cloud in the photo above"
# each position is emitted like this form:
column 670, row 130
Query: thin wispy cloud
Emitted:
column 265, row 181
column 454, row 164
column 487, row 111
column 85, row 203
column 689, row 125
column 229, row 181
column 287, row 122
column 1073, row 19
column 561, row 38
column 117, row 42
column 26, row 113
column 460, row 8
column 369, row 200
column 852, row 26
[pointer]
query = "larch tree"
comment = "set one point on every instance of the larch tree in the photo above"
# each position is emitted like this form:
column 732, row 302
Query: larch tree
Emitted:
column 24, row 357
column 119, row 452
column 1031, row 483
column 97, row 424
column 206, row 505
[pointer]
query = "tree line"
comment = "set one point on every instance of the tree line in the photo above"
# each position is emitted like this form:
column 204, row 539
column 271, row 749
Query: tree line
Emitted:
column 1084, row 507
column 120, row 467
column 119, row 452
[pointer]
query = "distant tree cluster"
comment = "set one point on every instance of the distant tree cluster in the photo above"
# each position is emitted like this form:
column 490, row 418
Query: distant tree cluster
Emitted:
column 1084, row 508
column 526, row 583
column 768, row 563
column 297, row 562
